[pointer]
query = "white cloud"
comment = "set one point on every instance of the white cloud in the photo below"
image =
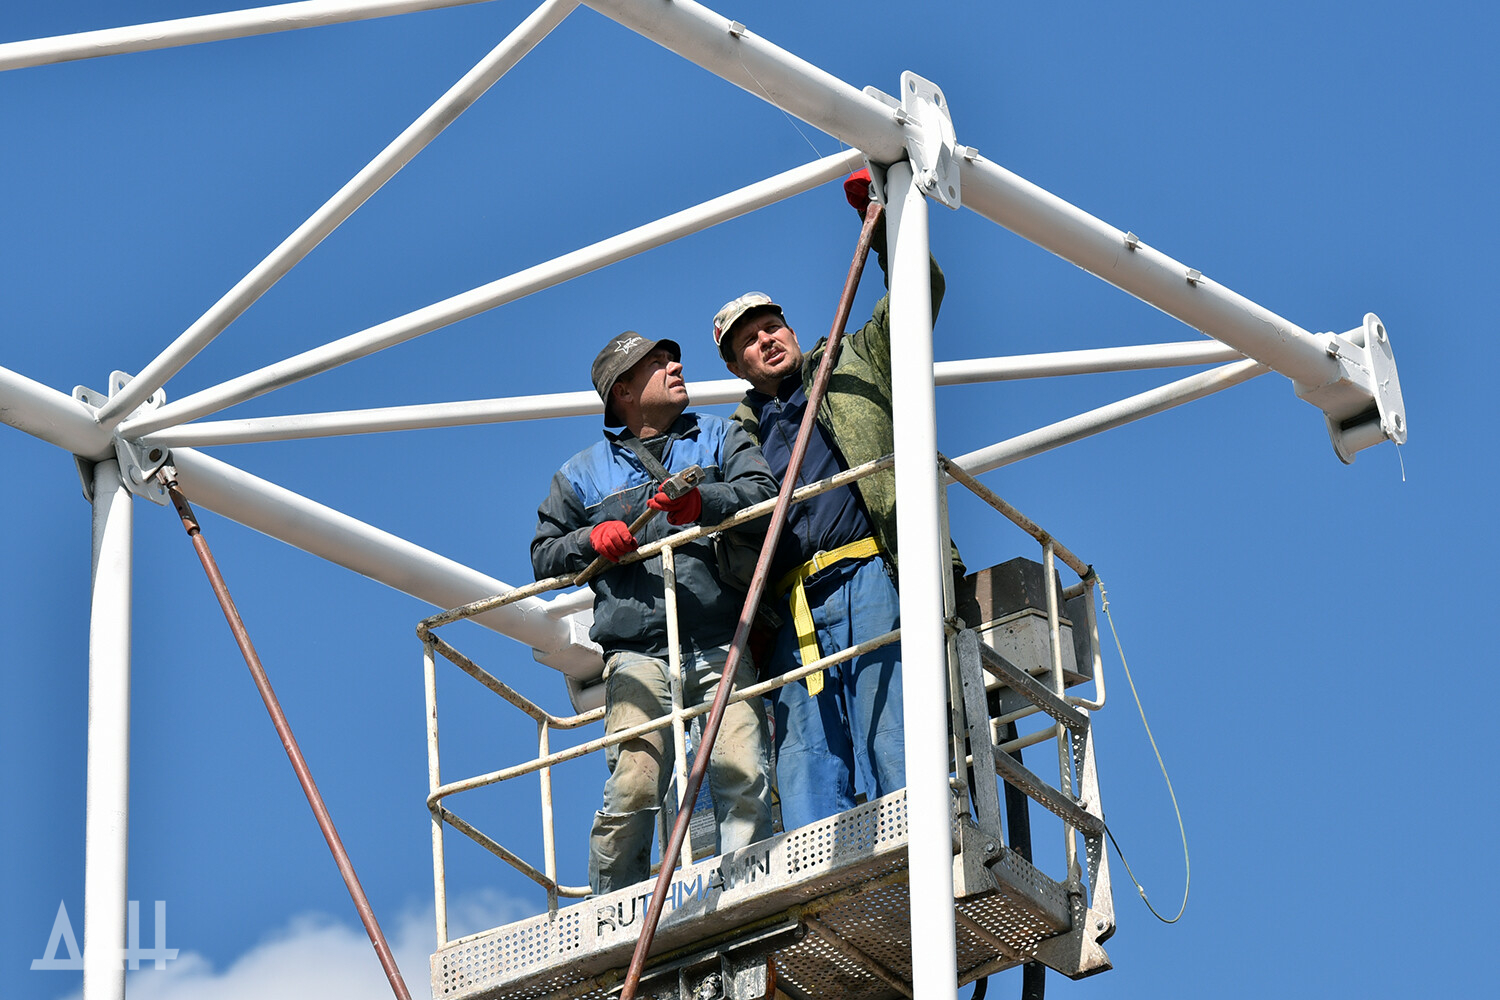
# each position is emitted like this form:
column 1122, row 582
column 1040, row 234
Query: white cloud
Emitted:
column 316, row 956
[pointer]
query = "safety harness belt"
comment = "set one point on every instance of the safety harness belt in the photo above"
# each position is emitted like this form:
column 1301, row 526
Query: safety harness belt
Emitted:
column 802, row 619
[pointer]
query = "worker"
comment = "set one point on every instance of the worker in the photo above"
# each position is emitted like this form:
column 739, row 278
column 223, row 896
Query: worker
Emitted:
column 840, row 732
column 594, row 499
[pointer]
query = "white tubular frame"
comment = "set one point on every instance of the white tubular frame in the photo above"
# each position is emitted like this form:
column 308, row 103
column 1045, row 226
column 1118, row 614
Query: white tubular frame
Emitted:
column 730, row 51
column 585, row 403
column 107, row 812
column 332, row 214
column 205, row 28
column 496, row 293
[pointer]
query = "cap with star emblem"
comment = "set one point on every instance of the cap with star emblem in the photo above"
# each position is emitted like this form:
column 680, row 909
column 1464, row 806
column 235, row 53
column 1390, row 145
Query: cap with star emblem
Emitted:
column 618, row 357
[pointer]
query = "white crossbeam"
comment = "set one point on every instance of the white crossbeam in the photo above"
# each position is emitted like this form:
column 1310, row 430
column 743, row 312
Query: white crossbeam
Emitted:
column 496, row 293
column 205, row 28
column 421, row 416
column 736, row 54
column 1107, row 417
column 336, row 209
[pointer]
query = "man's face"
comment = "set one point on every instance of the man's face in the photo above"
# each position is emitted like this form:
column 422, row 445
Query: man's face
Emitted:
column 765, row 350
column 656, row 383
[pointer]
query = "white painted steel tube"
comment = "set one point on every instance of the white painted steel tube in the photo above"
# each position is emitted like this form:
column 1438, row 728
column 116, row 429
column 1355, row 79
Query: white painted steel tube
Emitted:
column 923, row 558
column 336, row 209
column 1148, row 274
column 1086, row 362
column 497, row 293
column 107, row 797
column 832, row 105
column 43, row 412
column 434, row 782
column 748, row 61
column 341, row 539
column 586, row 403
column 1109, row 416
column 205, row 28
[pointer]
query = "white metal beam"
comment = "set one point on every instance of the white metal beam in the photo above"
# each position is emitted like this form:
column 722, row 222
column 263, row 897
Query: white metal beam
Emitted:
column 421, row 416
column 1107, row 417
column 336, row 209
column 496, row 293
column 311, row 526
column 379, row 555
column 736, row 54
column 205, row 28
column 107, row 794
column 923, row 557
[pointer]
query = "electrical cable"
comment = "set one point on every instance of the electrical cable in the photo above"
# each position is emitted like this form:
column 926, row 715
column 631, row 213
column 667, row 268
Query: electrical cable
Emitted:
column 1186, row 863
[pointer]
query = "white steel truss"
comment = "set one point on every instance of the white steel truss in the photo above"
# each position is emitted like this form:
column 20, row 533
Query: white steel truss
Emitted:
column 911, row 145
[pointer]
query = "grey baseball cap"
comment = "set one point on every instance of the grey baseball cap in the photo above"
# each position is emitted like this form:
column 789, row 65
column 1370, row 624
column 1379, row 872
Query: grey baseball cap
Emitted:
column 732, row 313
column 618, row 357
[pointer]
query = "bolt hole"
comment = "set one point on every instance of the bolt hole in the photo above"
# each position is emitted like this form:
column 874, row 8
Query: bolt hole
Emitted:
column 1400, row 423
column 952, row 193
column 155, row 455
column 911, row 85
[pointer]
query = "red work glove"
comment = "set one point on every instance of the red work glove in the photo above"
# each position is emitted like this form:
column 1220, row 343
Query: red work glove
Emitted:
column 684, row 510
column 857, row 189
column 612, row 540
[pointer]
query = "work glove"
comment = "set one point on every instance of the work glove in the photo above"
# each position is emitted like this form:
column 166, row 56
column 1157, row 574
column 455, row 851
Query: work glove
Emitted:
column 857, row 189
column 613, row 540
column 684, row 510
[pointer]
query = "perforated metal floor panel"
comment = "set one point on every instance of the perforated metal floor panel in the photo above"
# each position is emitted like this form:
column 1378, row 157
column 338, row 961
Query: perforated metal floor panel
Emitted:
column 842, row 881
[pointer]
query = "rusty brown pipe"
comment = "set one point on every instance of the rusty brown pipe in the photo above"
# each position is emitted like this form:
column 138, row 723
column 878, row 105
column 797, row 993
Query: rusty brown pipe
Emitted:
column 752, row 604
column 288, row 741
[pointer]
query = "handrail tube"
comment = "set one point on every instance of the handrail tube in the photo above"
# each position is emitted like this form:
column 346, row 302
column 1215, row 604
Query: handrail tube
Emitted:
column 502, row 852
column 653, row 548
column 332, row 213
column 496, row 293
column 1017, row 518
column 583, row 749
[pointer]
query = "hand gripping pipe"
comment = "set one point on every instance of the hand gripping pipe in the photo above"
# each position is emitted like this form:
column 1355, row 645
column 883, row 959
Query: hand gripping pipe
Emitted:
column 289, row 742
column 673, row 851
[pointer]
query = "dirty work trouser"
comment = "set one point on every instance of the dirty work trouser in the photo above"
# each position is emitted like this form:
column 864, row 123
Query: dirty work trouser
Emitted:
column 851, row 734
column 637, row 690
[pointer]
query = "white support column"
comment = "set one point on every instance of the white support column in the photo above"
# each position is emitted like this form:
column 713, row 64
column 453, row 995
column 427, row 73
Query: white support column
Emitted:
column 923, row 563
column 106, row 826
column 428, row 126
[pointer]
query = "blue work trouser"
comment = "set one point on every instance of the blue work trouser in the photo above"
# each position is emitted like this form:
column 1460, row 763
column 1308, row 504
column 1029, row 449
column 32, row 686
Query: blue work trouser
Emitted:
column 637, row 690
column 851, row 735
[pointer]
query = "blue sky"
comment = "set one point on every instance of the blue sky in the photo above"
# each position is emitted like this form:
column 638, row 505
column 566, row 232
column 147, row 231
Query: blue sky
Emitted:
column 1303, row 633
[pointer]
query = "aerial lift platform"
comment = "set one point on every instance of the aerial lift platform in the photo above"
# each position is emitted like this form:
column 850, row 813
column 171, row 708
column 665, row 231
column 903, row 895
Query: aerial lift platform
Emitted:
column 824, row 910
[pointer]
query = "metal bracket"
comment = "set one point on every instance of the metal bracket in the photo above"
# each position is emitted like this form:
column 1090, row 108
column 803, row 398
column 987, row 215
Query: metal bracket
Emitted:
column 1363, row 405
column 930, row 143
column 138, row 465
column 1078, row 953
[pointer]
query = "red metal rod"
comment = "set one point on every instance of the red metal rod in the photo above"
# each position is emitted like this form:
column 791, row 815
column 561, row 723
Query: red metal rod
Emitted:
column 752, row 604
column 289, row 743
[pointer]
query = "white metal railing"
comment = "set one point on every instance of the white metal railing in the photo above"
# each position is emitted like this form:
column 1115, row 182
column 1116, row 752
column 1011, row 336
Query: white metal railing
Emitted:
column 1070, row 710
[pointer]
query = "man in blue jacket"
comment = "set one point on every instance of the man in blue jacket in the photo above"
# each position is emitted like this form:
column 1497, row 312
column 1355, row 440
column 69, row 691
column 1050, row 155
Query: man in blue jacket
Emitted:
column 594, row 498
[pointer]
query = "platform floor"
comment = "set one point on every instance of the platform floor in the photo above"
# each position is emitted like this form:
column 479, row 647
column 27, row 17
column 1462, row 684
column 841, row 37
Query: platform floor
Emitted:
column 830, row 899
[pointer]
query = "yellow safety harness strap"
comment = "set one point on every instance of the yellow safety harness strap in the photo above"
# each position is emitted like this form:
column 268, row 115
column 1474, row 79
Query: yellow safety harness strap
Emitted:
column 802, row 619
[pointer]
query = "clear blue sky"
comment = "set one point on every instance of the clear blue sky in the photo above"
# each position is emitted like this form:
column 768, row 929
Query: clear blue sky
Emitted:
column 1308, row 637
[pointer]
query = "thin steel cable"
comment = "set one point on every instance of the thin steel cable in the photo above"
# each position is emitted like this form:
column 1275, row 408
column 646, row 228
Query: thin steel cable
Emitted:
column 1186, row 863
